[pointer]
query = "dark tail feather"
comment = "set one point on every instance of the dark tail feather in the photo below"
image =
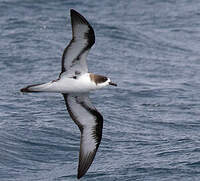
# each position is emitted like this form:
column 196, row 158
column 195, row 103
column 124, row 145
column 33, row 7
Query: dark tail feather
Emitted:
column 30, row 88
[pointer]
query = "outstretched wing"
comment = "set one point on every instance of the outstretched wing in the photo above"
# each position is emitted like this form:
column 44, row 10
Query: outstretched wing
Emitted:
column 75, row 54
column 90, row 123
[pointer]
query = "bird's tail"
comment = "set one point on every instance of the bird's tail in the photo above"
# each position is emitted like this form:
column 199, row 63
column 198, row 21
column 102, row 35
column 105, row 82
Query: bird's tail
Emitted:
column 37, row 88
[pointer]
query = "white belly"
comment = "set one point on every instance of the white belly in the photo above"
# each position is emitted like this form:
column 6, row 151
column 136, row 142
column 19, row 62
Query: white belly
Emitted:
column 70, row 85
column 66, row 85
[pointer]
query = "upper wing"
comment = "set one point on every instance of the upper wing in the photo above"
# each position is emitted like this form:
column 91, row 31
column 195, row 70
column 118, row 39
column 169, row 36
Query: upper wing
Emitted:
column 75, row 54
column 90, row 123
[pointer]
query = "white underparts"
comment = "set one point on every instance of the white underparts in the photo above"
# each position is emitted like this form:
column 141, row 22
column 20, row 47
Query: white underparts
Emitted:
column 68, row 85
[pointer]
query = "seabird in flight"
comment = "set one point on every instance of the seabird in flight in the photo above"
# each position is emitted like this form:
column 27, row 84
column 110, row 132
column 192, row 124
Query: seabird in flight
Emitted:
column 75, row 83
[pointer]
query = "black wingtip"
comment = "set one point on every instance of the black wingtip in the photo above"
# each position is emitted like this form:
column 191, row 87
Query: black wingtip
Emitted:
column 73, row 11
column 85, row 163
column 77, row 18
column 78, row 176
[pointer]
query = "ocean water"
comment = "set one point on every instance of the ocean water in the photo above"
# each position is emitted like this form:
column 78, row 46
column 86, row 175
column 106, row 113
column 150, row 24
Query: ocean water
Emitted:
column 151, row 48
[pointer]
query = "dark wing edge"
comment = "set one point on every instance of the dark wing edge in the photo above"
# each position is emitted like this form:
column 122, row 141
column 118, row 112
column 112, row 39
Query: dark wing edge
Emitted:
column 77, row 18
column 86, row 159
column 89, row 35
column 85, row 162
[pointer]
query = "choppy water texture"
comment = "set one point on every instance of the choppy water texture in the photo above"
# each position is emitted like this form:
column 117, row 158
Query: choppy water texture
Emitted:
column 151, row 120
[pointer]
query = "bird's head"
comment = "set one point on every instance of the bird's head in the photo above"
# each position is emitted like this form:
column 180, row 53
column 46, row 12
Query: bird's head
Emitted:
column 101, row 81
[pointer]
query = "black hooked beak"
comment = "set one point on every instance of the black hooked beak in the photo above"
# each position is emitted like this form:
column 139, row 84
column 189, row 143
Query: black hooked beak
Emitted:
column 113, row 84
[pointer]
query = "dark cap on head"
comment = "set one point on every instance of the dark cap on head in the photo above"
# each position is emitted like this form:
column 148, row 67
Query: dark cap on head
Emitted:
column 98, row 78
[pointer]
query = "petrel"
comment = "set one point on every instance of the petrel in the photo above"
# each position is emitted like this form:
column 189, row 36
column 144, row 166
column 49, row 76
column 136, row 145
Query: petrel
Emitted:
column 75, row 83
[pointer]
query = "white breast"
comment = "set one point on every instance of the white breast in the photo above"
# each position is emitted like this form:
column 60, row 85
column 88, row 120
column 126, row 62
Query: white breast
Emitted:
column 70, row 85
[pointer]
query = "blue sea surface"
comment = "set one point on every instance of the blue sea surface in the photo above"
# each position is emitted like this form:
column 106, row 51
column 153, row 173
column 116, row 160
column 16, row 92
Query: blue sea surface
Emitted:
column 150, row 48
